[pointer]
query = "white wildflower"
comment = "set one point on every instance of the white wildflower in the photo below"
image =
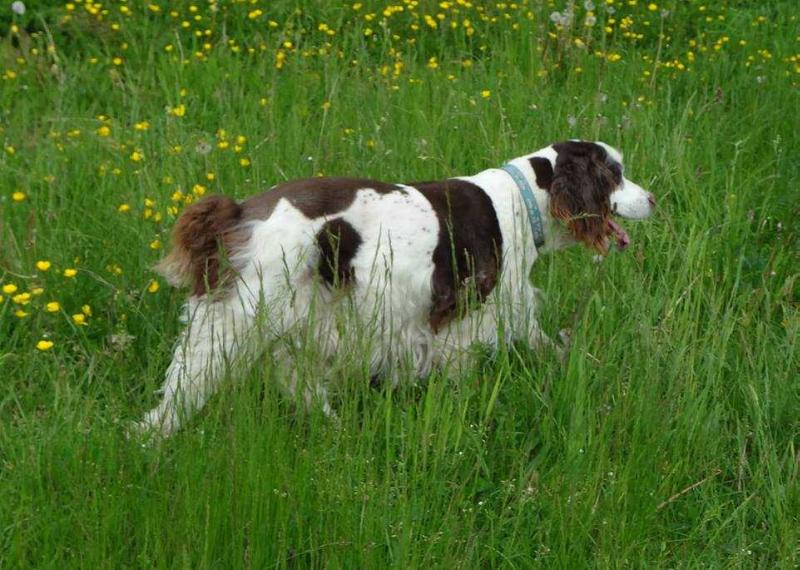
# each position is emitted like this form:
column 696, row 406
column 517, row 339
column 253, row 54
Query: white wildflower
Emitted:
column 561, row 19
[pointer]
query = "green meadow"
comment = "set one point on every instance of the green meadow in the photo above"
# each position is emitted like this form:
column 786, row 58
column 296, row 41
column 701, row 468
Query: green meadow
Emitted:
column 670, row 435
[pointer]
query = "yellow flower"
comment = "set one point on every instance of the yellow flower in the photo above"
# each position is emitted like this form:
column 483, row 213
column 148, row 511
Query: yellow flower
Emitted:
column 22, row 298
column 70, row 272
column 178, row 111
column 210, row 176
column 143, row 126
column 79, row 319
column 43, row 265
column 18, row 196
column 20, row 314
column 86, row 310
column 153, row 287
column 198, row 189
column 486, row 93
column 117, row 61
column 241, row 139
column 244, row 162
column 104, row 131
column 155, row 244
column 44, row 345
column 37, row 291
column 9, row 288
column 137, row 156
column 652, row 6
column 52, row 307
column 124, row 208
column 326, row 105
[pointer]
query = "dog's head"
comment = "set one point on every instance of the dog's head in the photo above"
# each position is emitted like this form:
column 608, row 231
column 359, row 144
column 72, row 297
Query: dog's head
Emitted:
column 586, row 185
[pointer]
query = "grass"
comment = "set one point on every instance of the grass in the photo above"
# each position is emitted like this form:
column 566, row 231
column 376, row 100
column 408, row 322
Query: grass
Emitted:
column 668, row 438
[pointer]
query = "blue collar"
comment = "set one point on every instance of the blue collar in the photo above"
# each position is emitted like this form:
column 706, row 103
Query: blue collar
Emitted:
column 534, row 216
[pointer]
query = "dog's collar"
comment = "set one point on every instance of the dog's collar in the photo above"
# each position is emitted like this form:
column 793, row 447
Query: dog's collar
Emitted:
column 534, row 216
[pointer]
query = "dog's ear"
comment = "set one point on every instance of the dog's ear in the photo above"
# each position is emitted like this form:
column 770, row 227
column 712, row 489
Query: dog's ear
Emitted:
column 579, row 193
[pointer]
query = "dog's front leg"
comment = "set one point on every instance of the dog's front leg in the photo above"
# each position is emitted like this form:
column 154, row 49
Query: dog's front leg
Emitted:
column 216, row 333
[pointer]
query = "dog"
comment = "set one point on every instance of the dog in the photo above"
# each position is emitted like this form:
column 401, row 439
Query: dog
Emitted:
column 424, row 270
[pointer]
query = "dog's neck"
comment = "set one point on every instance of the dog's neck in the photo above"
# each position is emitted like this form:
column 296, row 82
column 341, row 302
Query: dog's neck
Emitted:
column 555, row 235
column 531, row 204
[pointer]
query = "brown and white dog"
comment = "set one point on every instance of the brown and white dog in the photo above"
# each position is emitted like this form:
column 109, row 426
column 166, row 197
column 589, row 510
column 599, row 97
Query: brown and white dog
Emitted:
column 426, row 269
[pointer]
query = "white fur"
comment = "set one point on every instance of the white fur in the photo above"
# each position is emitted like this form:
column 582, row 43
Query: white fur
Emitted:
column 278, row 294
column 631, row 201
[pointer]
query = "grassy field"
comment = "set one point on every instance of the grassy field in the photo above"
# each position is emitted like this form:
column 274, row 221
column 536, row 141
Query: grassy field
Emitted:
column 668, row 438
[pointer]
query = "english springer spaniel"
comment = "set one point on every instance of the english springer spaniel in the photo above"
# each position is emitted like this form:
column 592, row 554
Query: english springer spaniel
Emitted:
column 424, row 269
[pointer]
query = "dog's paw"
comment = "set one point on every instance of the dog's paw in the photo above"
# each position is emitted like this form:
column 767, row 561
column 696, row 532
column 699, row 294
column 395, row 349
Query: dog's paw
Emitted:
column 152, row 427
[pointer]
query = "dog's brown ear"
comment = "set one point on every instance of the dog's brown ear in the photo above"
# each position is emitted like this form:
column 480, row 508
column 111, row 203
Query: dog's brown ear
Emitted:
column 579, row 193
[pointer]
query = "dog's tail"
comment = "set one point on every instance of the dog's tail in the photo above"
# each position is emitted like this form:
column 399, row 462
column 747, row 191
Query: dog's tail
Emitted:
column 203, row 235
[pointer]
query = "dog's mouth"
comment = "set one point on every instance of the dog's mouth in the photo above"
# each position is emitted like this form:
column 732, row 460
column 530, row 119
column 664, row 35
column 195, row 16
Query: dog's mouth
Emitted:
column 620, row 235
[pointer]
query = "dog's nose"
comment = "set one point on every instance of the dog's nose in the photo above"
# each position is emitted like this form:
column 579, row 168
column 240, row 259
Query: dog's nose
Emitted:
column 651, row 199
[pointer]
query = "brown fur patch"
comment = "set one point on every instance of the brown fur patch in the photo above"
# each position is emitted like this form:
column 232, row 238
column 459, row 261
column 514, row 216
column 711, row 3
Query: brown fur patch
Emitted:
column 580, row 190
column 314, row 197
column 338, row 243
column 205, row 236
column 543, row 171
column 467, row 258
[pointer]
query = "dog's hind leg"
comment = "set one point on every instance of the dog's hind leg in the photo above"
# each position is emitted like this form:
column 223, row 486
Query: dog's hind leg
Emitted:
column 216, row 334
